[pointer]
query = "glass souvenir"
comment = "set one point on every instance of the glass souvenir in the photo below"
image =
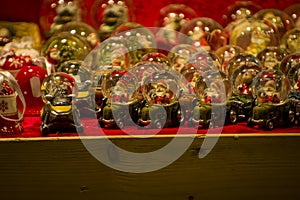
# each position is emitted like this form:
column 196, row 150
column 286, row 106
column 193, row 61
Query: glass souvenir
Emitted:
column 239, row 10
column 142, row 40
column 123, row 104
column 191, row 74
column 270, row 57
column 113, row 54
column 62, row 47
column 11, row 113
column 30, row 79
column 161, row 90
column 171, row 18
column 141, row 70
column 253, row 35
column 59, row 113
column 289, row 62
column 212, row 91
column 294, row 12
column 294, row 95
column 294, row 78
column 116, row 52
column 109, row 83
column 54, row 13
column 85, row 101
column 180, row 54
column 227, row 52
column 291, row 40
column 204, row 61
column 278, row 19
column 272, row 107
column 203, row 33
column 161, row 59
column 241, row 99
column 239, row 60
column 13, row 63
column 119, row 94
column 107, row 15
column 83, row 30
column 242, row 79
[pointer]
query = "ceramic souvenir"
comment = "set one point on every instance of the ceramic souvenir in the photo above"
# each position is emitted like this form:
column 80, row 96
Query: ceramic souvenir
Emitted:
column 11, row 111
column 30, row 79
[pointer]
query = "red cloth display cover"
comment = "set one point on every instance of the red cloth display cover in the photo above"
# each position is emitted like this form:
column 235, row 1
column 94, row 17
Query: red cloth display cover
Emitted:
column 146, row 13
column 32, row 129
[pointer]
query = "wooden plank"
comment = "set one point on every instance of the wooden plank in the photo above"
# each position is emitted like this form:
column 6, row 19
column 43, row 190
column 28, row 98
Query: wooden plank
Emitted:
column 239, row 167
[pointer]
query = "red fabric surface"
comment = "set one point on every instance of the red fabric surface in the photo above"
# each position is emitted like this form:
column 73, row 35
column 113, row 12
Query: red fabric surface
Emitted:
column 146, row 12
column 31, row 129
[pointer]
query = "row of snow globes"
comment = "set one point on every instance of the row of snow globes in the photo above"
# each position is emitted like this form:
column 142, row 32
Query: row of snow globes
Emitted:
column 203, row 76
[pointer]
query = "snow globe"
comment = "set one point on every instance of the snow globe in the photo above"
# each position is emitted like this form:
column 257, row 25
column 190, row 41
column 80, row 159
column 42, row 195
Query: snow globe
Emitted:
column 270, row 57
column 180, row 54
column 203, row 33
column 291, row 41
column 294, row 12
column 239, row 60
column 239, row 10
column 141, row 39
column 227, row 52
column 294, row 95
column 59, row 112
column 171, row 18
column 162, row 91
column 85, row 101
column 212, row 91
column 62, row 47
column 278, row 19
column 159, row 58
column 205, row 61
column 288, row 62
column 241, row 98
column 254, row 35
column 83, row 30
column 271, row 107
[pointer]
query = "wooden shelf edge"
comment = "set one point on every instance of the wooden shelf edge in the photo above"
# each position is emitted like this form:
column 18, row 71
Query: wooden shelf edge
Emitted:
column 202, row 136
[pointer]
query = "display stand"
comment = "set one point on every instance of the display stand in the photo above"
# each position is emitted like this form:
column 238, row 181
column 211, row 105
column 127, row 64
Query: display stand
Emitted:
column 242, row 165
